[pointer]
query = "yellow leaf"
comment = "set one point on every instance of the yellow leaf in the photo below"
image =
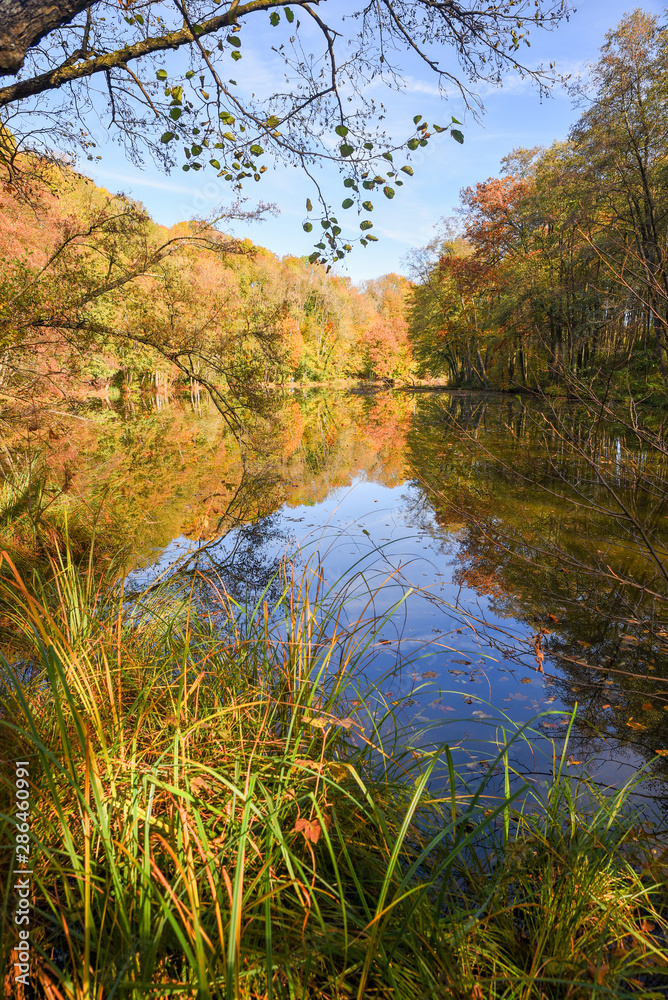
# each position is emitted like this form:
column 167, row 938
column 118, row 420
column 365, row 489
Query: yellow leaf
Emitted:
column 526, row 680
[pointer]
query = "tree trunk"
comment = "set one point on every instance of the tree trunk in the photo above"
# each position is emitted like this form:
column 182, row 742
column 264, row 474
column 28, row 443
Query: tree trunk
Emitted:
column 24, row 22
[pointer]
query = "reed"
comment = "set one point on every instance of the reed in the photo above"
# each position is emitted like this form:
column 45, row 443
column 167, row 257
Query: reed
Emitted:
column 227, row 809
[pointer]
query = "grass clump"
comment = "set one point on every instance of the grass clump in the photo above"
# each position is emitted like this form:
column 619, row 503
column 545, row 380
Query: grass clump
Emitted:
column 219, row 812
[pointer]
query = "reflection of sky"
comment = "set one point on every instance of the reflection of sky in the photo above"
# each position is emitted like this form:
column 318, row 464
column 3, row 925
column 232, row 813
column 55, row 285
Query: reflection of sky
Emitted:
column 440, row 660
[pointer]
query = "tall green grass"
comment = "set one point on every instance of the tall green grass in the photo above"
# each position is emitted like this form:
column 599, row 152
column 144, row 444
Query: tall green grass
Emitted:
column 222, row 811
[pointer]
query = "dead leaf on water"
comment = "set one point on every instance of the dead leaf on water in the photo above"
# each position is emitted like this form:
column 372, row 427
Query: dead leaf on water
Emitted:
column 647, row 707
column 429, row 673
column 526, row 680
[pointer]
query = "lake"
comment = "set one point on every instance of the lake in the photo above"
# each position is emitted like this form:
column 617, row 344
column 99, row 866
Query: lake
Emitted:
column 512, row 548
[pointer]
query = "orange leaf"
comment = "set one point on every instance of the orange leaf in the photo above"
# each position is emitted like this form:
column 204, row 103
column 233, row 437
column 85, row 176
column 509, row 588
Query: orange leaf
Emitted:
column 662, row 753
column 647, row 707
column 310, row 828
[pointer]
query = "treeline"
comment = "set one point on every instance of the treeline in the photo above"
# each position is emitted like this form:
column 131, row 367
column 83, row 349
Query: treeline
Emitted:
column 93, row 292
column 559, row 267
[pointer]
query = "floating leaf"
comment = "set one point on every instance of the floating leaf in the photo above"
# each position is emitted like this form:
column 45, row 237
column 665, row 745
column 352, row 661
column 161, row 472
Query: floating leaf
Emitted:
column 526, row 680
column 429, row 674
column 647, row 707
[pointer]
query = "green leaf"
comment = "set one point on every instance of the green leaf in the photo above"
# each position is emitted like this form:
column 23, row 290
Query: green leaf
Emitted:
column 424, row 142
column 272, row 121
column 274, row 19
column 196, row 166
column 175, row 114
column 307, row 227
column 438, row 128
column 347, row 203
column 408, row 170
column 455, row 121
column 226, row 118
column 325, row 223
column 368, row 206
column 234, row 40
column 457, row 135
column 347, row 246
column 289, row 15
column 363, row 242
column 236, row 55
column 139, row 19
column 372, row 238
column 314, row 256
column 177, row 93
column 346, row 150
column 186, row 166
column 413, row 143
column 167, row 137
column 388, row 192
column 342, row 131
column 368, row 145
column 215, row 163
column 366, row 225
column 309, row 206
column 368, row 185
column 336, row 230
column 161, row 74
column 349, row 182
column 387, row 156
column 190, row 74
column 195, row 150
column 399, row 183
column 256, row 150
column 417, row 118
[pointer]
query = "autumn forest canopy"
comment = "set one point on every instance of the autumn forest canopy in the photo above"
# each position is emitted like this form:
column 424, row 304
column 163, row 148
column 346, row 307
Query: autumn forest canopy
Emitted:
column 555, row 269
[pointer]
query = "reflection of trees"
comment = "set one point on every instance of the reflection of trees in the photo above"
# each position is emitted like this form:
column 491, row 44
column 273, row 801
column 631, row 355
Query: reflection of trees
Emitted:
column 564, row 529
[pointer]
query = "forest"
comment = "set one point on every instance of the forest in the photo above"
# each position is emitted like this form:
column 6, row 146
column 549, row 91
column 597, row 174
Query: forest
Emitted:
column 558, row 267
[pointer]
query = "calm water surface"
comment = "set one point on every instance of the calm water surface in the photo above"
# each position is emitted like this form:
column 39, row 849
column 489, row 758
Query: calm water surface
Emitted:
column 476, row 533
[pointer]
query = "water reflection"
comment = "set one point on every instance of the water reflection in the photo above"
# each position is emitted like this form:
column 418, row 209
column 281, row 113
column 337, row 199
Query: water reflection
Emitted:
column 514, row 528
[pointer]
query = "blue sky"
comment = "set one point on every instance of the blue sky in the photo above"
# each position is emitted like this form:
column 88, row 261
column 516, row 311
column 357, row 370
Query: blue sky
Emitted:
column 514, row 116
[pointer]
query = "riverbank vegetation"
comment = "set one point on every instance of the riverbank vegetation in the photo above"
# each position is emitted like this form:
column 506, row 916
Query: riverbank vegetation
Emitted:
column 559, row 267
column 95, row 295
column 327, row 851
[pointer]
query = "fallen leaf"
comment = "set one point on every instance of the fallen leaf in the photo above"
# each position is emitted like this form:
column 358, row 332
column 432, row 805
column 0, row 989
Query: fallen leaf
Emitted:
column 466, row 662
column 647, row 707
column 457, row 673
column 429, row 673
column 319, row 723
column 526, row 680
column 662, row 753
column 571, row 761
column 345, row 723
column 312, row 765
column 635, row 725
column 338, row 771
column 310, row 828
